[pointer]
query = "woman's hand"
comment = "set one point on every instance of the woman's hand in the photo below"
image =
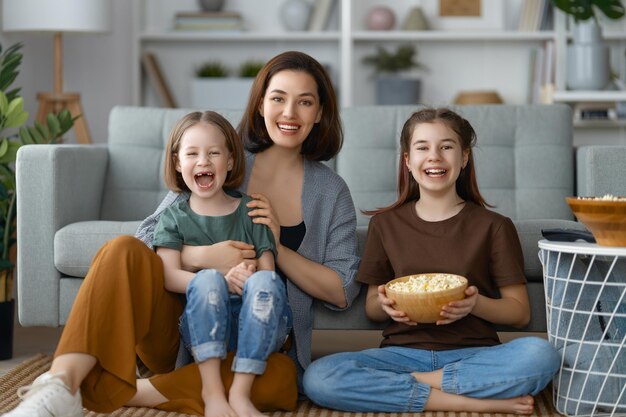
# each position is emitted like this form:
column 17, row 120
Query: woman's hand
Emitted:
column 237, row 277
column 263, row 213
column 456, row 310
column 222, row 256
column 387, row 305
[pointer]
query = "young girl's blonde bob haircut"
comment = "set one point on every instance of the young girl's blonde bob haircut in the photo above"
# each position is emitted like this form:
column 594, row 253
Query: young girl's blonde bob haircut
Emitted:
column 174, row 180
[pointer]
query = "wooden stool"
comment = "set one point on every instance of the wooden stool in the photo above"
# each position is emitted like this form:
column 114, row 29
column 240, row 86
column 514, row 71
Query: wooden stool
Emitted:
column 51, row 102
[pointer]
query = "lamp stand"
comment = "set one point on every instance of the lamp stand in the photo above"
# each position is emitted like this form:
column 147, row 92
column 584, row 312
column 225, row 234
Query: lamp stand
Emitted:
column 58, row 100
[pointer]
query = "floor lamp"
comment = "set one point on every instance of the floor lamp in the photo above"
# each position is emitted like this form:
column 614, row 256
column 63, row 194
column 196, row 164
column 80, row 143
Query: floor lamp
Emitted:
column 58, row 16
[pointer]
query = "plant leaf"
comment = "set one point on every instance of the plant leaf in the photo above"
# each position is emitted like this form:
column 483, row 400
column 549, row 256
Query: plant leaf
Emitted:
column 43, row 129
column 4, row 146
column 11, row 153
column 4, row 103
column 613, row 9
column 54, row 125
column 34, row 133
column 25, row 136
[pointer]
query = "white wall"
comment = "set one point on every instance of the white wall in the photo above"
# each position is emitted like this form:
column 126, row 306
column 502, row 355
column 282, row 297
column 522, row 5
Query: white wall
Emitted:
column 95, row 65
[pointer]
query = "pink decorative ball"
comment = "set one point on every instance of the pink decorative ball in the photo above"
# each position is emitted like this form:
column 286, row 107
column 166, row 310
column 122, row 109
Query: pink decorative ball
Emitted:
column 380, row 18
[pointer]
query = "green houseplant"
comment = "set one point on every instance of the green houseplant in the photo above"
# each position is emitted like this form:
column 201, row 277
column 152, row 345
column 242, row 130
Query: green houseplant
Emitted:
column 588, row 65
column 585, row 9
column 249, row 69
column 14, row 134
column 213, row 88
column 212, row 69
column 394, row 83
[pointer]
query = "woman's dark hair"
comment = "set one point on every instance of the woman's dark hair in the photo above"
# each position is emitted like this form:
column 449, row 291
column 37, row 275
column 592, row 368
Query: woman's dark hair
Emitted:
column 174, row 179
column 466, row 184
column 326, row 137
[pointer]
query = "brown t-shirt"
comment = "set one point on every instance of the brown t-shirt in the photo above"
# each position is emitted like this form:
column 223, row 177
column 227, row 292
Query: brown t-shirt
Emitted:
column 477, row 243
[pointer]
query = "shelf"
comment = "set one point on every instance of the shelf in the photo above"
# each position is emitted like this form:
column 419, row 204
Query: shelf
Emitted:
column 601, row 124
column 588, row 96
column 456, row 36
column 237, row 36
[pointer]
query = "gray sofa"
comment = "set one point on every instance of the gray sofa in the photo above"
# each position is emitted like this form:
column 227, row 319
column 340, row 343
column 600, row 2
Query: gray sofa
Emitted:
column 73, row 198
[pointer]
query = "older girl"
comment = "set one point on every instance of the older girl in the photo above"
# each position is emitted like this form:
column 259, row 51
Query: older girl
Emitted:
column 440, row 224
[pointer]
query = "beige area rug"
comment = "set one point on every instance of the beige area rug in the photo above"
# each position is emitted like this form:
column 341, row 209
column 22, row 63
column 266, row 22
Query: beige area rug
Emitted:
column 26, row 372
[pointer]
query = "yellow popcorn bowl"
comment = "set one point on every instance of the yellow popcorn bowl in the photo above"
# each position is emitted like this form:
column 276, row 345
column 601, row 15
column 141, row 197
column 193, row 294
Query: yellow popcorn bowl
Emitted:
column 425, row 307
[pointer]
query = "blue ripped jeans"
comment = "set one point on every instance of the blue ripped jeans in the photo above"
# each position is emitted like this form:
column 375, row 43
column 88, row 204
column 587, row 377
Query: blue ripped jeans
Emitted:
column 254, row 325
column 380, row 380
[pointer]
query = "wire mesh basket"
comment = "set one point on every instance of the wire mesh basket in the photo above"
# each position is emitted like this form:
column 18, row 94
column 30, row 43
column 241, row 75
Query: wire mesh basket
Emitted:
column 586, row 320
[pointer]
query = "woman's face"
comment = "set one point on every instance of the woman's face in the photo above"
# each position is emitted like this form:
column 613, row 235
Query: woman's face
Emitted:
column 290, row 108
column 435, row 158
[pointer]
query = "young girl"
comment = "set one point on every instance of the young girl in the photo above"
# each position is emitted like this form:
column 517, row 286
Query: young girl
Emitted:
column 246, row 311
column 440, row 224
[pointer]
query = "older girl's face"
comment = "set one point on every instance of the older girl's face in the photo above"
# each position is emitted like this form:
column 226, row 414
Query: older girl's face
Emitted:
column 290, row 108
column 435, row 158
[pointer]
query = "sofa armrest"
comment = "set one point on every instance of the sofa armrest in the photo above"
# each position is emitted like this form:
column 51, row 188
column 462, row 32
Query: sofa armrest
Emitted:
column 56, row 185
column 600, row 170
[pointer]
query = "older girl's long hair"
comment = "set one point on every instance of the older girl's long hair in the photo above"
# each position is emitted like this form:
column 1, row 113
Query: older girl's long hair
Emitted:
column 466, row 185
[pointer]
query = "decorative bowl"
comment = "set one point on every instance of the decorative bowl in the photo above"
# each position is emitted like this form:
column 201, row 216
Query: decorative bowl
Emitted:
column 604, row 216
column 424, row 306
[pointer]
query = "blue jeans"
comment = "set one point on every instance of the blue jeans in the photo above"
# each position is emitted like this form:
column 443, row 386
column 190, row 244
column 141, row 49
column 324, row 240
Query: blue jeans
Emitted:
column 380, row 380
column 254, row 325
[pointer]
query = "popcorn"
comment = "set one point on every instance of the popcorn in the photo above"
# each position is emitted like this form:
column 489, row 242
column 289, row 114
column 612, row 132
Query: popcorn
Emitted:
column 426, row 283
column 606, row 197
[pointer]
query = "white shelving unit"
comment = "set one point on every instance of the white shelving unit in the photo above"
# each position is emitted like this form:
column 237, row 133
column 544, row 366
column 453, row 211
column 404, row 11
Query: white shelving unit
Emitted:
column 458, row 60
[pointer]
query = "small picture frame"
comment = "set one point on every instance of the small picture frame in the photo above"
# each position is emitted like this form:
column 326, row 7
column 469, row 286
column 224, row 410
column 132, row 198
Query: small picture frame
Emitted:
column 491, row 16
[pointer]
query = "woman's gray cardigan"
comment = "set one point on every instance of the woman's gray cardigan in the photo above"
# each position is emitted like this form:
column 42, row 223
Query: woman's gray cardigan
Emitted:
column 330, row 240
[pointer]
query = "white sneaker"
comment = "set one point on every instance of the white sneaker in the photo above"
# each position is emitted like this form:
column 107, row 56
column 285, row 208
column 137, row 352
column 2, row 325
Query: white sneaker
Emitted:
column 48, row 396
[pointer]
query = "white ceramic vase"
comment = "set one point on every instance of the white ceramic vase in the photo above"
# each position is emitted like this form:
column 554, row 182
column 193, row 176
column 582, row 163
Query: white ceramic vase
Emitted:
column 295, row 14
column 587, row 58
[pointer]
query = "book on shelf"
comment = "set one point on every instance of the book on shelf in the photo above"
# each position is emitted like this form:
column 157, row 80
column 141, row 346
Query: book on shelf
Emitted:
column 595, row 111
column 542, row 64
column 535, row 15
column 320, row 15
column 157, row 79
column 208, row 21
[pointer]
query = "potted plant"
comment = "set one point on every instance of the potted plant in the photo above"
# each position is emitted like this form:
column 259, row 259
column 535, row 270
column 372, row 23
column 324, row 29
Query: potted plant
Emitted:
column 212, row 88
column 587, row 56
column 250, row 68
column 12, row 118
column 395, row 83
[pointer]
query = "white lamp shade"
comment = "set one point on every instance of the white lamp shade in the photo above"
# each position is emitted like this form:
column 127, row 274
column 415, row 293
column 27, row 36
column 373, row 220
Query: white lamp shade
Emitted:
column 56, row 15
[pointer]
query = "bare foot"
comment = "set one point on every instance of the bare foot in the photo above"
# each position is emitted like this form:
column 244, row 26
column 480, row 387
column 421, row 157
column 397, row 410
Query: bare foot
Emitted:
column 516, row 405
column 216, row 405
column 243, row 405
column 442, row 401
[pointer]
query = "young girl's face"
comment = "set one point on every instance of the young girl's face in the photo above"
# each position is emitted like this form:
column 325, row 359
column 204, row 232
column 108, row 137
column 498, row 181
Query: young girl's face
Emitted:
column 290, row 108
column 203, row 159
column 435, row 158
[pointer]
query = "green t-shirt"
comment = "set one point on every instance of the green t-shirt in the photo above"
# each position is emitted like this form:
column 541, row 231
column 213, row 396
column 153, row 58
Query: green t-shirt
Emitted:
column 179, row 225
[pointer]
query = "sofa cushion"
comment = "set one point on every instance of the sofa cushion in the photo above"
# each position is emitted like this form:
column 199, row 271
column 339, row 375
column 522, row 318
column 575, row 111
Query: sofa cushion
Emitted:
column 76, row 244
column 598, row 169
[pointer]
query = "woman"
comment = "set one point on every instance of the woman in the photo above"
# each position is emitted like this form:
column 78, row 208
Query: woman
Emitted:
column 290, row 124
